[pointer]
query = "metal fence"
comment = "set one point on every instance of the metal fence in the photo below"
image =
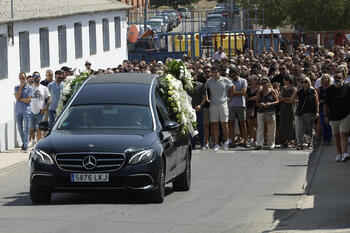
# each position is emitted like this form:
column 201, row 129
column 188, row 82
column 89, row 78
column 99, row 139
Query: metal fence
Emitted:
column 204, row 45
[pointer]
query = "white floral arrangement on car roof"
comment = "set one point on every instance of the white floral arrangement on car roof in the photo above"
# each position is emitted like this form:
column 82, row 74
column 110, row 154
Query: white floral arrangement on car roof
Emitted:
column 174, row 85
column 70, row 86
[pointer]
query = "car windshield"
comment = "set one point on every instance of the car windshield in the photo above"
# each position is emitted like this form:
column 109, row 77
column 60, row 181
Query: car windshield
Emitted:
column 154, row 23
column 214, row 23
column 106, row 116
column 211, row 18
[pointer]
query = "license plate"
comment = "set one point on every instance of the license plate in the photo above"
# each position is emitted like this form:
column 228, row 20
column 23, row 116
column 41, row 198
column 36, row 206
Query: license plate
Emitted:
column 92, row 177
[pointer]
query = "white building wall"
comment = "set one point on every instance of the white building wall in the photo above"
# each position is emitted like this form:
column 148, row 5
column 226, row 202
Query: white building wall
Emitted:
column 9, row 137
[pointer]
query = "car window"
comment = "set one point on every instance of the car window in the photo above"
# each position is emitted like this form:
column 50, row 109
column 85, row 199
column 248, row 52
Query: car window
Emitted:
column 161, row 109
column 106, row 116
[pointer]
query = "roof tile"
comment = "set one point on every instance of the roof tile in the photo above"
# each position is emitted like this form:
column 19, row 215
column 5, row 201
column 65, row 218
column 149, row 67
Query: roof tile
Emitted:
column 38, row 9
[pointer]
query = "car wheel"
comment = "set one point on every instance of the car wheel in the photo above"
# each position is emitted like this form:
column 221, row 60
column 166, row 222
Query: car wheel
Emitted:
column 157, row 196
column 39, row 196
column 183, row 182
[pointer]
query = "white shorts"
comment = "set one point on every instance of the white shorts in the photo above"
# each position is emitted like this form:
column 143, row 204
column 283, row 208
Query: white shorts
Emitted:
column 219, row 113
column 341, row 126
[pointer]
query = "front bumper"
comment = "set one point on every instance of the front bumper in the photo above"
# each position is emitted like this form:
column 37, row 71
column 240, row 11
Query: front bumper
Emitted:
column 129, row 177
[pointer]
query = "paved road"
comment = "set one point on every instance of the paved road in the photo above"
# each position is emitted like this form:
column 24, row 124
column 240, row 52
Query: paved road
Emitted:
column 232, row 191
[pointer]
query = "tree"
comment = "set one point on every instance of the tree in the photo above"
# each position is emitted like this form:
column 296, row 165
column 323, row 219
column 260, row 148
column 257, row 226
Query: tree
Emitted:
column 320, row 14
column 270, row 13
column 302, row 14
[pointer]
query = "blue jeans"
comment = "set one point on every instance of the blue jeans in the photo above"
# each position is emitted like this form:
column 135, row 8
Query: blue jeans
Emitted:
column 200, row 129
column 35, row 120
column 52, row 116
column 23, row 120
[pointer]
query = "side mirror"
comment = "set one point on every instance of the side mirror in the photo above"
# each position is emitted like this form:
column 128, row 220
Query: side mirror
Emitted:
column 171, row 126
column 44, row 126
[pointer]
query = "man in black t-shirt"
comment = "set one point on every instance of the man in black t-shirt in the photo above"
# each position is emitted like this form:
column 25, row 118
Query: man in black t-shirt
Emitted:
column 48, row 79
column 337, row 112
column 283, row 74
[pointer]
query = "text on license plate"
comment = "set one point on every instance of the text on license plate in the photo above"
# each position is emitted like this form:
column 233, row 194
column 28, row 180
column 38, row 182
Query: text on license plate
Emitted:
column 93, row 177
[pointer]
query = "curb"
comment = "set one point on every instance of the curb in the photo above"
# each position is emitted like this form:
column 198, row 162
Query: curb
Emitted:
column 5, row 169
column 314, row 161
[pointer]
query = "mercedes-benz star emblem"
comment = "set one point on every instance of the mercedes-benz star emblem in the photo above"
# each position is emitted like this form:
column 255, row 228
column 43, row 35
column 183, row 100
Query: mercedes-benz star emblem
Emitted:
column 89, row 162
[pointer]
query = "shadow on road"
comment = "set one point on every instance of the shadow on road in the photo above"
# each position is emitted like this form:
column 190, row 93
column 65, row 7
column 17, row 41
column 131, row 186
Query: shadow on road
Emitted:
column 325, row 204
column 124, row 197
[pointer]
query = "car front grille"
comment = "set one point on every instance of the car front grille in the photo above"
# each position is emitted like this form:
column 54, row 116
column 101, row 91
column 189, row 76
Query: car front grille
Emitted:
column 102, row 161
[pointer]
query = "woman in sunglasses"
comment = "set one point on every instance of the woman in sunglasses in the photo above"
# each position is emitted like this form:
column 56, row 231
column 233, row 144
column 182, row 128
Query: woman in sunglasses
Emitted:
column 307, row 111
column 267, row 99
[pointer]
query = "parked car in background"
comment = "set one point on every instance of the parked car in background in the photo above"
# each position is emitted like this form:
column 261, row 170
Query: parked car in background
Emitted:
column 216, row 21
column 165, row 21
column 174, row 15
column 212, row 26
column 184, row 12
column 157, row 25
column 171, row 18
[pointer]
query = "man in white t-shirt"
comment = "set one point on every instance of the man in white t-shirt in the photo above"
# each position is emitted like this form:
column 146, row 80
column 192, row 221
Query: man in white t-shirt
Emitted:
column 39, row 104
column 219, row 54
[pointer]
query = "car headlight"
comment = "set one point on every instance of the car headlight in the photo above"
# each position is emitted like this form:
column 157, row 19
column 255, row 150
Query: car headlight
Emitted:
column 41, row 157
column 141, row 157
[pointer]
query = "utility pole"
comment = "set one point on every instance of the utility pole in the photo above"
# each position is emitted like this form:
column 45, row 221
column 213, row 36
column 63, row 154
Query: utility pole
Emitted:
column 145, row 15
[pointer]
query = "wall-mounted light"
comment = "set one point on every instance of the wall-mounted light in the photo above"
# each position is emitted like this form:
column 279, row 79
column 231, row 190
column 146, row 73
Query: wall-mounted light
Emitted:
column 11, row 41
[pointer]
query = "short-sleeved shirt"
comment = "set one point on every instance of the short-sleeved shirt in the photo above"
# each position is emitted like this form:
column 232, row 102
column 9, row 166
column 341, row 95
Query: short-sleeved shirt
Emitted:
column 20, row 106
column 40, row 94
column 55, row 91
column 197, row 93
column 239, row 101
column 337, row 100
column 44, row 82
column 218, row 90
column 219, row 56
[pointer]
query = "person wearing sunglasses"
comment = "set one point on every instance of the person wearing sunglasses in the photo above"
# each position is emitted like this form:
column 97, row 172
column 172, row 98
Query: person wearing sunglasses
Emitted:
column 267, row 99
column 39, row 105
column 55, row 88
column 337, row 112
column 23, row 94
column 221, row 89
column 307, row 111
column 237, row 107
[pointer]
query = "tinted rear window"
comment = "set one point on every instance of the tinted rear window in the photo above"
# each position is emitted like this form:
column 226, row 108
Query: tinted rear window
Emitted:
column 110, row 93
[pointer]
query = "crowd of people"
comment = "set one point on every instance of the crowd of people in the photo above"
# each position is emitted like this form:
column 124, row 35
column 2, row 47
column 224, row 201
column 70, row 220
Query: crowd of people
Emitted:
column 294, row 100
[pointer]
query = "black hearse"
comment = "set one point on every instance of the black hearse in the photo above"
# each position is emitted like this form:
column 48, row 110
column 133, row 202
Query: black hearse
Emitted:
column 114, row 134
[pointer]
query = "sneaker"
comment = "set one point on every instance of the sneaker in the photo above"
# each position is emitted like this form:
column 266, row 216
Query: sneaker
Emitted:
column 24, row 150
column 216, row 147
column 226, row 145
column 252, row 143
column 272, row 147
column 345, row 157
column 206, row 147
column 32, row 144
column 338, row 158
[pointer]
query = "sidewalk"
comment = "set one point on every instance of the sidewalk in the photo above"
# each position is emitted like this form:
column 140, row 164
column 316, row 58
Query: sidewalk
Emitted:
column 12, row 158
column 325, row 205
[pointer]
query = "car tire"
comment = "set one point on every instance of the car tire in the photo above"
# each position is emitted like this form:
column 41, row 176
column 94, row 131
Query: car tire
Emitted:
column 183, row 182
column 157, row 196
column 40, row 196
